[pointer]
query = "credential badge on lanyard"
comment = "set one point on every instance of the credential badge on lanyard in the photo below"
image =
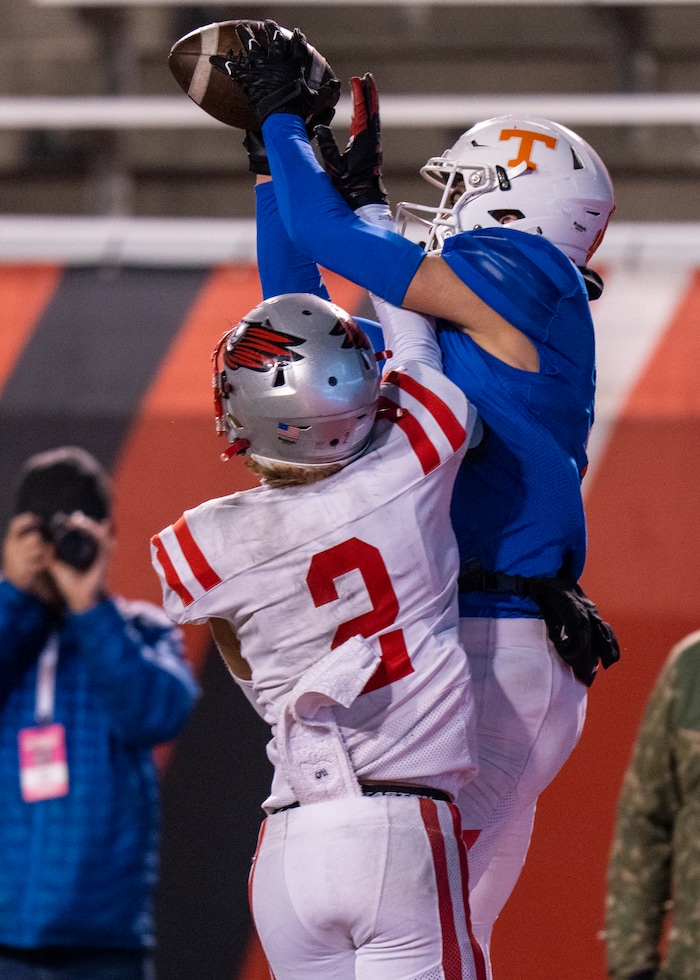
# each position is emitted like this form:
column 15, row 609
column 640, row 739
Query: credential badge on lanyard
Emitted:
column 43, row 764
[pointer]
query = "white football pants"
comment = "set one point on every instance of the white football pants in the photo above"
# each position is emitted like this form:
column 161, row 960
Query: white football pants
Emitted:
column 368, row 888
column 530, row 714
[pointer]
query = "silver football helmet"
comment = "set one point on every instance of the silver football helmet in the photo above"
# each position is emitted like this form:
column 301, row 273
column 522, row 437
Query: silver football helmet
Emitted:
column 297, row 382
column 531, row 173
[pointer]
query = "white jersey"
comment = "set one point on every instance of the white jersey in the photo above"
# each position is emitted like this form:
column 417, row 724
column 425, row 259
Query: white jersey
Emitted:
column 343, row 597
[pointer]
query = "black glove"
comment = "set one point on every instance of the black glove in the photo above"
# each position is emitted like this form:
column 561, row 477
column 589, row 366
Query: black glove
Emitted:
column 582, row 639
column 274, row 79
column 575, row 627
column 357, row 173
column 257, row 154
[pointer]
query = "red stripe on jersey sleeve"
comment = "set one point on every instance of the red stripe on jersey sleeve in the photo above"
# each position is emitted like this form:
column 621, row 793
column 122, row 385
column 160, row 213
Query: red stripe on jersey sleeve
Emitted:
column 421, row 445
column 441, row 412
column 171, row 576
column 201, row 569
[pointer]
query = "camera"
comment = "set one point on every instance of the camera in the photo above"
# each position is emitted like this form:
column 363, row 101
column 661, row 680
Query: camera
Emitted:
column 72, row 545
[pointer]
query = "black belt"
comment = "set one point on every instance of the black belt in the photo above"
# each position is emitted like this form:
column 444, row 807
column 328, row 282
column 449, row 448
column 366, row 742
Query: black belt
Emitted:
column 389, row 789
column 474, row 578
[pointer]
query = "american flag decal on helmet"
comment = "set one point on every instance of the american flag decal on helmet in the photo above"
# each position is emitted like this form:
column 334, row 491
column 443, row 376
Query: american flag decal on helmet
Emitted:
column 259, row 347
column 287, row 432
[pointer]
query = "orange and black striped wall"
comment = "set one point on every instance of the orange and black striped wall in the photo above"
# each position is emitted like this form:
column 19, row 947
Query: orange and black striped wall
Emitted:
column 117, row 359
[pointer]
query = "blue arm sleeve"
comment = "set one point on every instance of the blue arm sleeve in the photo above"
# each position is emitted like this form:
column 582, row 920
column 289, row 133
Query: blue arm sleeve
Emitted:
column 281, row 266
column 321, row 224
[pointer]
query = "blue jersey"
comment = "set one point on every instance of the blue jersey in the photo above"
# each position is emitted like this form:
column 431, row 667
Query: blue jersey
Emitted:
column 517, row 505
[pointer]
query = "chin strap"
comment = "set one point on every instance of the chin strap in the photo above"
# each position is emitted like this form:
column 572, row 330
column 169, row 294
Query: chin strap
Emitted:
column 594, row 284
column 236, row 448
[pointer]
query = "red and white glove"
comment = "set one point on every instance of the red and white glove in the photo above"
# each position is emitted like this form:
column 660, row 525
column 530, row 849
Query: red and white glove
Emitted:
column 357, row 173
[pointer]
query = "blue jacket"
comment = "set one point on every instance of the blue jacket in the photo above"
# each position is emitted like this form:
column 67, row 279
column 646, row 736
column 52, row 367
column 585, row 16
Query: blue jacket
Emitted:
column 80, row 869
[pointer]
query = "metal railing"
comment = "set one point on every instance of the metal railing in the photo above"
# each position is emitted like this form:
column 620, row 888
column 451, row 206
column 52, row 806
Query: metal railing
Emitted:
column 408, row 111
column 204, row 242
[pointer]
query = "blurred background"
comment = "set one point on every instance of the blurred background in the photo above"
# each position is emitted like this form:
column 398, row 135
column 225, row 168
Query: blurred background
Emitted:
column 86, row 130
column 127, row 248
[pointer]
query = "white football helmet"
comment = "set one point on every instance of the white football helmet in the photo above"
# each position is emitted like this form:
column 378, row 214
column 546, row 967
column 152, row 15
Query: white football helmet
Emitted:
column 296, row 381
column 532, row 174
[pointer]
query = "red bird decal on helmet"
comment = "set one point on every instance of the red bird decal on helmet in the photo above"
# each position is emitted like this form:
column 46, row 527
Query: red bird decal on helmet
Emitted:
column 259, row 347
column 354, row 336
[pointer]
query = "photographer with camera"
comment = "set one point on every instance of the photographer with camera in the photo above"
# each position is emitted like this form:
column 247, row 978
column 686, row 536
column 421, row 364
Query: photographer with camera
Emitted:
column 89, row 684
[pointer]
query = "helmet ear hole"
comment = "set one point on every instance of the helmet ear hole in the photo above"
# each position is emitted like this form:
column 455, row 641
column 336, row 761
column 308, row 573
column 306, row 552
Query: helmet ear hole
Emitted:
column 503, row 215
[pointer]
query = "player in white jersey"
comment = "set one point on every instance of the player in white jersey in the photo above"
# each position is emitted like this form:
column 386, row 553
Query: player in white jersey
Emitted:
column 337, row 576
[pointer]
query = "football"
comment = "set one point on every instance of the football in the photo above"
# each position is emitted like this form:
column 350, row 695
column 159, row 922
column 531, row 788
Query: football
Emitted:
column 217, row 93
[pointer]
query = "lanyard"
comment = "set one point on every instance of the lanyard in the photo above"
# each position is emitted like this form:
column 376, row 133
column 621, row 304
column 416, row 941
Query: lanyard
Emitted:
column 46, row 682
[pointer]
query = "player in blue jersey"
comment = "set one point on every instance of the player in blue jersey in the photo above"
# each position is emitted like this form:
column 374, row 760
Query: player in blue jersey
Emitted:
column 525, row 203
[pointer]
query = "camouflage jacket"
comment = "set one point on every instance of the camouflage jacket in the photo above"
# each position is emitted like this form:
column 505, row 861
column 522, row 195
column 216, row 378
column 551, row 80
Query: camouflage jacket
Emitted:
column 655, row 860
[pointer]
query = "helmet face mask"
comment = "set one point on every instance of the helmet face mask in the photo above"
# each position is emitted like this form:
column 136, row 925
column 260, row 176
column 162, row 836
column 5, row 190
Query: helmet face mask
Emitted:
column 533, row 174
column 296, row 382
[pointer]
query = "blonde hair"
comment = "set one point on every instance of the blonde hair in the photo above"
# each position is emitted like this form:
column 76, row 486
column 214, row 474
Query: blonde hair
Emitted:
column 288, row 475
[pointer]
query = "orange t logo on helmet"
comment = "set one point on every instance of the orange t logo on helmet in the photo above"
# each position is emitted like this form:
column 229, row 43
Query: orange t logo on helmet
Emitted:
column 527, row 138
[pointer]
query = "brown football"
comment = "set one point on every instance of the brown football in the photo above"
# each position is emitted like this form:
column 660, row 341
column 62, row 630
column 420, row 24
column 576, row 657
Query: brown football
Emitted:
column 217, row 93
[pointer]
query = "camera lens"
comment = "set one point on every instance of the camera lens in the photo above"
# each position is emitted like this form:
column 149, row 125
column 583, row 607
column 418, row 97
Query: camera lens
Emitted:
column 76, row 547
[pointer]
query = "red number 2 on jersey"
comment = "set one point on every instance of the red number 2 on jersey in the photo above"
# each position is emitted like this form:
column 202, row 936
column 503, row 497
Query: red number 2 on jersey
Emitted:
column 343, row 558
